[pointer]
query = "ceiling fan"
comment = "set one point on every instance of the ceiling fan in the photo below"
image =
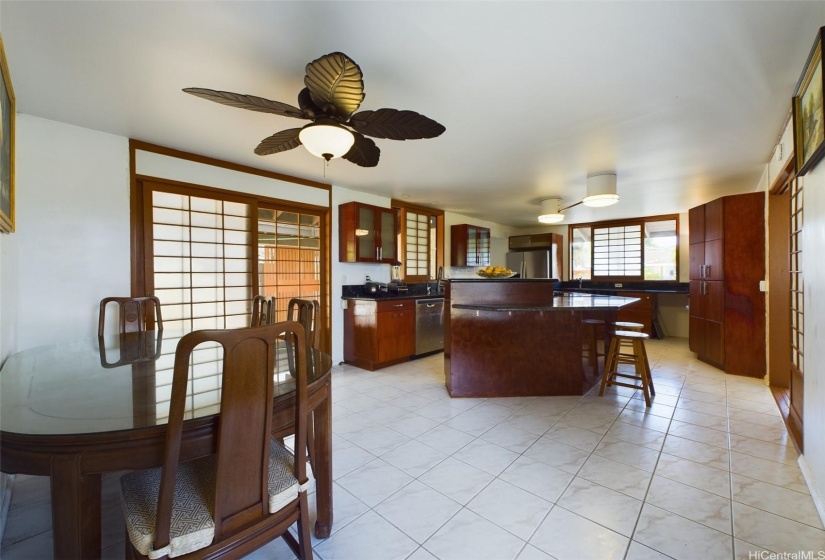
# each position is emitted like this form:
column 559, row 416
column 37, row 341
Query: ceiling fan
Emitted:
column 334, row 91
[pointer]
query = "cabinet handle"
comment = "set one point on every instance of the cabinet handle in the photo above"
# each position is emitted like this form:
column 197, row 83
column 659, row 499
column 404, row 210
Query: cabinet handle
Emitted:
column 398, row 305
column 702, row 271
column 707, row 270
column 380, row 253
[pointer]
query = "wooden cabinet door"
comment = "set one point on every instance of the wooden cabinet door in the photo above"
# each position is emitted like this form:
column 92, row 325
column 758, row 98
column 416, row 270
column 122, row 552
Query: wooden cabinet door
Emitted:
column 697, row 299
column 715, row 219
column 696, row 333
column 696, row 225
column 696, row 258
column 469, row 245
column 482, row 247
column 396, row 335
column 640, row 312
column 387, row 236
column 365, row 234
column 715, row 259
column 715, row 342
column 714, row 301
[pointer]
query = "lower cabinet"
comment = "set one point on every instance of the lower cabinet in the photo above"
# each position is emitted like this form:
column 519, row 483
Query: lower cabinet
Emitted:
column 379, row 333
column 643, row 311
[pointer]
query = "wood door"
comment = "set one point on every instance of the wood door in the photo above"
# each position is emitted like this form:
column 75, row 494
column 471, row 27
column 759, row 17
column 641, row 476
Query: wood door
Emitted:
column 697, row 261
column 714, row 343
column 696, row 334
column 714, row 259
column 714, row 301
column 696, row 225
column 715, row 219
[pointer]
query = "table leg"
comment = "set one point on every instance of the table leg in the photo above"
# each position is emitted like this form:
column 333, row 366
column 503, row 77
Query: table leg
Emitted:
column 322, row 463
column 75, row 509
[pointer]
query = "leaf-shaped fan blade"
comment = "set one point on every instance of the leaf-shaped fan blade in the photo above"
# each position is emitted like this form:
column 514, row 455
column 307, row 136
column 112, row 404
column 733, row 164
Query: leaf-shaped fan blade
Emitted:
column 395, row 124
column 279, row 142
column 306, row 104
column 364, row 152
column 335, row 80
column 250, row 102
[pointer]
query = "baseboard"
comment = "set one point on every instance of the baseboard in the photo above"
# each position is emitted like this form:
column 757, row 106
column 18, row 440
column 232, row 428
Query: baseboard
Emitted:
column 816, row 494
column 5, row 500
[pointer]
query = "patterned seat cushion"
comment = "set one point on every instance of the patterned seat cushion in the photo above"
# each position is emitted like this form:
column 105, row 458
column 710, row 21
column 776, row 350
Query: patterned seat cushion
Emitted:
column 193, row 502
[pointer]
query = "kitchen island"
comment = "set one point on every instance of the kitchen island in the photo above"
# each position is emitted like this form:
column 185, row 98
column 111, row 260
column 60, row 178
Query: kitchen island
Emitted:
column 513, row 337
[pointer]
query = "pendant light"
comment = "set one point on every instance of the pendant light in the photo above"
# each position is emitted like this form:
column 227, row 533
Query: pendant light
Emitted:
column 601, row 190
column 551, row 211
column 326, row 140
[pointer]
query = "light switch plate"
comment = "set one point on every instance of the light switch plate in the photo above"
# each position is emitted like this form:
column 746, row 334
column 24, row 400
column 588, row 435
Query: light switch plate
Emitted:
column 763, row 285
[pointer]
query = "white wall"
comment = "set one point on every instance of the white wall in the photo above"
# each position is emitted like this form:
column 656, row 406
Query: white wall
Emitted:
column 349, row 273
column 499, row 236
column 72, row 229
column 813, row 271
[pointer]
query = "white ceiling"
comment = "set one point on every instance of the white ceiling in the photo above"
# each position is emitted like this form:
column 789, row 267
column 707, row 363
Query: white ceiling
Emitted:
column 683, row 100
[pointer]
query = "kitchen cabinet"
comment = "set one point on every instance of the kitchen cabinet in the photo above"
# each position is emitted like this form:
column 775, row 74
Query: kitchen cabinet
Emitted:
column 379, row 333
column 727, row 263
column 367, row 233
column 469, row 245
column 643, row 311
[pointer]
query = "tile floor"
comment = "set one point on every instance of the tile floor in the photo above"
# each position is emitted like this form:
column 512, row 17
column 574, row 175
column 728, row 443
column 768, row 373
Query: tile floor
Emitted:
column 707, row 472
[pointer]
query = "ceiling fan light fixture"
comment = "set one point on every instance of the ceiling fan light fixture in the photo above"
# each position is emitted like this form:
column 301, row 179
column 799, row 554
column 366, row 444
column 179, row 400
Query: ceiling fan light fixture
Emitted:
column 326, row 140
column 551, row 211
column 601, row 190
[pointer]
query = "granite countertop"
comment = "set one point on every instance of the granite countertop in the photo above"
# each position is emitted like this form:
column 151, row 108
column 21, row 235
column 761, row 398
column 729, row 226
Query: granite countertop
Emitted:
column 650, row 287
column 560, row 303
column 384, row 297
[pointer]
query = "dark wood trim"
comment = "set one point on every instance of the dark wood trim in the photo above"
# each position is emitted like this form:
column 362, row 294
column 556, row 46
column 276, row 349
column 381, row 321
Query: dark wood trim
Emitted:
column 625, row 222
column 136, row 257
column 162, row 150
column 395, row 203
column 779, row 292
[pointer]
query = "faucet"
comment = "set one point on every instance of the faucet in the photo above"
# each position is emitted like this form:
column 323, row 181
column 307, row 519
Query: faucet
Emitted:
column 439, row 284
column 580, row 282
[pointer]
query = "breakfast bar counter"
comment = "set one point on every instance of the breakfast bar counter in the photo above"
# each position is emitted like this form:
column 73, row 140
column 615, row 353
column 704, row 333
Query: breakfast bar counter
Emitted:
column 513, row 337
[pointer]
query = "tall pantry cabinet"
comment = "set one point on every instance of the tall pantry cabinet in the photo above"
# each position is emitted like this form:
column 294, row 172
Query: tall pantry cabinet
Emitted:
column 727, row 263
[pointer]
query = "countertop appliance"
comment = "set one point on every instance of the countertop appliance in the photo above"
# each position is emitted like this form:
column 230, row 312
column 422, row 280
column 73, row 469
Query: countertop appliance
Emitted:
column 534, row 264
column 429, row 325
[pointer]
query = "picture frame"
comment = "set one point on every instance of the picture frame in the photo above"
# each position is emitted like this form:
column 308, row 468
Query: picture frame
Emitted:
column 809, row 112
column 7, row 118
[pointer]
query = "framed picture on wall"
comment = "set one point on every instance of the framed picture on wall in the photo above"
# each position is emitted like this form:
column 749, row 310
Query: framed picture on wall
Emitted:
column 808, row 112
column 7, row 113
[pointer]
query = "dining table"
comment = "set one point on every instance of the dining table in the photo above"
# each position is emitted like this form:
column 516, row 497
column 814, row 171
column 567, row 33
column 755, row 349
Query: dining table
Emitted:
column 76, row 410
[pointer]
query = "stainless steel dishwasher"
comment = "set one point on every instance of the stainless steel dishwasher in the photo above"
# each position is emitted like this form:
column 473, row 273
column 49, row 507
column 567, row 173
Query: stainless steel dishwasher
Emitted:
column 429, row 325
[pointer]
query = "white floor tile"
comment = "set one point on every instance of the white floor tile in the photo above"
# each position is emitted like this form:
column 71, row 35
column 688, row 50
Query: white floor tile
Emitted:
column 537, row 478
column 567, row 536
column 680, row 538
column 774, row 532
column 418, row 510
column 468, row 535
column 369, row 536
column 511, row 508
column 374, row 482
column 486, row 456
column 694, row 504
column 456, row 480
column 414, row 458
column 614, row 510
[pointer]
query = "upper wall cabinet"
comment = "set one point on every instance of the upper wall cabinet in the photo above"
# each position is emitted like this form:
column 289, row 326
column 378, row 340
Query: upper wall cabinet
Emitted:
column 469, row 245
column 367, row 233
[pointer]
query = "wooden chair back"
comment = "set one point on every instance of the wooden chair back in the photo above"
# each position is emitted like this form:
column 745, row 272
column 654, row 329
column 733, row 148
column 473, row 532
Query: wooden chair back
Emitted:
column 261, row 312
column 135, row 314
column 243, row 436
column 306, row 312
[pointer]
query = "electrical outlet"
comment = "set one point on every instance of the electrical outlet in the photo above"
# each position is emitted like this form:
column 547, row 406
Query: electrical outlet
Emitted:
column 763, row 285
column 344, row 303
column 618, row 284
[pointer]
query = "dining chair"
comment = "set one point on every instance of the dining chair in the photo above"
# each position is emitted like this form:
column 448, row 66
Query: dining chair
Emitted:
column 306, row 312
column 133, row 313
column 261, row 312
column 252, row 489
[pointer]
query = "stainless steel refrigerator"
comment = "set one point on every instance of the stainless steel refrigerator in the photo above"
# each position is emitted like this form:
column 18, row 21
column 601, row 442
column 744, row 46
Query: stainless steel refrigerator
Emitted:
column 533, row 264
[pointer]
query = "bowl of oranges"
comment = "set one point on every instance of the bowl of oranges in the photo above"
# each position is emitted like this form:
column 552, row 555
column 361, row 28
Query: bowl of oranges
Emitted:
column 495, row 272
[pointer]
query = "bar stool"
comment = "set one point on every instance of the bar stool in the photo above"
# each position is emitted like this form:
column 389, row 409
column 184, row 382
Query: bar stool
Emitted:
column 635, row 341
column 627, row 356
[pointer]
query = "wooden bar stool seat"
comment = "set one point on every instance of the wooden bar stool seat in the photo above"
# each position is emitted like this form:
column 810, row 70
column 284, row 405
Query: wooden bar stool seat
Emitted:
column 626, row 354
column 638, row 358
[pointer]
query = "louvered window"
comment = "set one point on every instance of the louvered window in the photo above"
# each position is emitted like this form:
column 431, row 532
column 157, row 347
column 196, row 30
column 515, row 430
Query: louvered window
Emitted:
column 420, row 236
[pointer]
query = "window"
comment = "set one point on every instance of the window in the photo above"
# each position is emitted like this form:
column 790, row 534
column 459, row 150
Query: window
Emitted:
column 640, row 249
column 206, row 252
column 420, row 241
